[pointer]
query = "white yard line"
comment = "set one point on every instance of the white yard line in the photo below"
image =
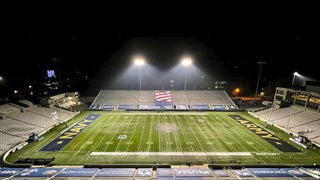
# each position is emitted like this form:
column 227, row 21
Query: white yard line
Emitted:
column 206, row 131
column 131, row 135
column 175, row 135
column 168, row 140
column 101, row 130
column 123, row 129
column 249, row 135
column 159, row 137
column 165, row 113
column 200, row 130
column 113, row 137
column 186, row 138
column 141, row 135
column 78, row 148
column 150, row 133
column 171, row 154
column 195, row 137
column 215, row 134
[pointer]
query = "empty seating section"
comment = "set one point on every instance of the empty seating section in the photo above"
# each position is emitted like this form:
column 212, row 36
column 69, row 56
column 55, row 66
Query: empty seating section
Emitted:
column 30, row 118
column 8, row 108
column 316, row 139
column 111, row 99
column 276, row 114
column 133, row 99
column 180, row 99
column 311, row 130
column 205, row 97
column 17, row 123
column 297, row 120
column 18, row 128
column 61, row 113
column 210, row 99
column 302, row 118
column 27, row 103
column 146, row 100
column 7, row 141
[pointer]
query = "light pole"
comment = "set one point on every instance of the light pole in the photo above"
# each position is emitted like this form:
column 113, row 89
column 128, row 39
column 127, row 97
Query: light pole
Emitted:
column 294, row 77
column 186, row 62
column 255, row 95
column 139, row 62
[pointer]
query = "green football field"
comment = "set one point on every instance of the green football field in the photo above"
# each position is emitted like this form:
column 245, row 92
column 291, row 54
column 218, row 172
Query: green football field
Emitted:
column 166, row 138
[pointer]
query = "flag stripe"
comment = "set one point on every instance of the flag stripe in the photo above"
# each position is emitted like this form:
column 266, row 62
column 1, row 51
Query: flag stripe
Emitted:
column 163, row 96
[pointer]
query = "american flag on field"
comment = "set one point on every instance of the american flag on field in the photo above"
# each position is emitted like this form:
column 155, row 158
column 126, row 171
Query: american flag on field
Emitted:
column 161, row 96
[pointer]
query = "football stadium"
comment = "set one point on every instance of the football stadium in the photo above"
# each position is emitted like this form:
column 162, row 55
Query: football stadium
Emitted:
column 161, row 134
column 173, row 94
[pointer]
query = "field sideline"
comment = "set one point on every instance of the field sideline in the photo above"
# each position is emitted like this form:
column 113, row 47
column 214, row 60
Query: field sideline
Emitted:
column 97, row 137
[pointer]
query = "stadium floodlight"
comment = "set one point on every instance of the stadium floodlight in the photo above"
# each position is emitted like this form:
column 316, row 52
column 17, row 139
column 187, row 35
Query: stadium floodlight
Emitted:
column 294, row 77
column 186, row 61
column 139, row 61
column 2, row 80
column 255, row 95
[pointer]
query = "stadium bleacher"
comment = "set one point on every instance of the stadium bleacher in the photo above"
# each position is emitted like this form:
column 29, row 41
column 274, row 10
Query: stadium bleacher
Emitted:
column 19, row 122
column 154, row 100
column 294, row 119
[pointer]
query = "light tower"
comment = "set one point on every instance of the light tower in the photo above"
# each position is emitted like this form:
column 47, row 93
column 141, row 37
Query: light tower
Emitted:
column 186, row 61
column 260, row 68
column 139, row 61
column 294, row 77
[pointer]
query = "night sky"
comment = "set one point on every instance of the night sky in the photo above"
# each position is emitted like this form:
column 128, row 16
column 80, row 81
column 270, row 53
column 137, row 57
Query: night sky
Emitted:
column 90, row 53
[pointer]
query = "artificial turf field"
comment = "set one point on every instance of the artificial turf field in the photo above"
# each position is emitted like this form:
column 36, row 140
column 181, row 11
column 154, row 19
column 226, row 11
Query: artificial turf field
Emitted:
column 98, row 137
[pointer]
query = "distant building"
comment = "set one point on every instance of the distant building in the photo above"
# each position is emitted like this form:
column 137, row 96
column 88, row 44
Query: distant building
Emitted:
column 65, row 100
column 308, row 99
column 313, row 86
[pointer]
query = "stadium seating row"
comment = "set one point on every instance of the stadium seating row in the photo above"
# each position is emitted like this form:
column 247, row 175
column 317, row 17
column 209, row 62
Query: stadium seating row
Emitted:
column 151, row 100
column 17, row 123
column 294, row 119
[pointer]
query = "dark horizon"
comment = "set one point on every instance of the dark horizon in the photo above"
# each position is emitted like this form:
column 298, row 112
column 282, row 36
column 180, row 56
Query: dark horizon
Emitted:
column 83, row 56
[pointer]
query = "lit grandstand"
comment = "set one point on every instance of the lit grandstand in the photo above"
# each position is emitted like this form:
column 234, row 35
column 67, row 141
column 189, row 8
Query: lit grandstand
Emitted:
column 157, row 100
